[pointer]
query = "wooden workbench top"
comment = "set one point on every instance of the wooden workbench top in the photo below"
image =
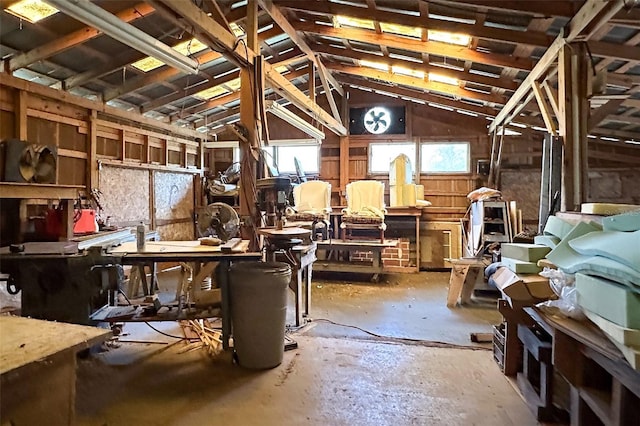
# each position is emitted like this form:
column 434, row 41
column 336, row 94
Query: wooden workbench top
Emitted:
column 161, row 247
column 335, row 243
column 27, row 340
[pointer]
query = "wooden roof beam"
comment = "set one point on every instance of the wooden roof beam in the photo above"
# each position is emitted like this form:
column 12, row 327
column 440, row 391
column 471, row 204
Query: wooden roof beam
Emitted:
column 419, row 46
column 545, row 108
column 583, row 19
column 190, row 91
column 325, row 77
column 75, row 38
column 422, row 96
column 165, row 73
column 419, row 83
column 503, row 83
column 219, row 38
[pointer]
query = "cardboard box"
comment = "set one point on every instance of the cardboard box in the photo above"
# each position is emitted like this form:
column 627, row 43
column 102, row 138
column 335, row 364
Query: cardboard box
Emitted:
column 522, row 287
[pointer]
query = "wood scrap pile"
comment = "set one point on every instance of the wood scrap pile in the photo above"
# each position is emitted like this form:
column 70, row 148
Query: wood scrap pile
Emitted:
column 201, row 334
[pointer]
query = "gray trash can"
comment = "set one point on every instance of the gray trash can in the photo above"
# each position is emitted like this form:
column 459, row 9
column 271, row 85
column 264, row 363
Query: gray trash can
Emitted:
column 258, row 298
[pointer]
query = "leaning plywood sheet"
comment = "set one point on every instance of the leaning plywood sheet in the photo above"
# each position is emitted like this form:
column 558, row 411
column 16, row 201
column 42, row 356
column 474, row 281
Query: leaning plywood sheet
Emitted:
column 626, row 336
column 125, row 195
column 623, row 247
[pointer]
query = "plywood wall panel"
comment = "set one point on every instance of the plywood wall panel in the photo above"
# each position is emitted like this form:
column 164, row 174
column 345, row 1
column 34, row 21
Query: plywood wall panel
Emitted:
column 176, row 231
column 173, row 195
column 125, row 194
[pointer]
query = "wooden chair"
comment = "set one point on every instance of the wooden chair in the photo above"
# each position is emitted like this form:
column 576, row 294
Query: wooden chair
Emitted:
column 365, row 208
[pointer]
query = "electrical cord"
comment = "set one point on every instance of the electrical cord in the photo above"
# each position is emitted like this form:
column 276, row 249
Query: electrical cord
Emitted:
column 432, row 343
column 150, row 326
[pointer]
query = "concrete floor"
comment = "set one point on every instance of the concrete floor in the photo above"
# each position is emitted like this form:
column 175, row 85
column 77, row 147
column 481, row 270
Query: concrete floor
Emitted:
column 337, row 376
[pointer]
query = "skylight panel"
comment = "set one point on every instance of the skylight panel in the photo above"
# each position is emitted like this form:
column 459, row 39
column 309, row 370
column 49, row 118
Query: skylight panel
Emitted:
column 211, row 93
column 407, row 71
column 31, row 10
column 347, row 21
column 402, row 30
column 439, row 78
column 372, row 64
column 450, row 38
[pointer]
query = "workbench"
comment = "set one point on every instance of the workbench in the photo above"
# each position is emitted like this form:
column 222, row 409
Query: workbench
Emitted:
column 38, row 369
column 402, row 222
column 348, row 246
column 194, row 252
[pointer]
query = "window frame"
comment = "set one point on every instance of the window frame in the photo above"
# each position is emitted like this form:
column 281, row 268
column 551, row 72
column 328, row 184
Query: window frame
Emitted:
column 445, row 142
column 403, row 142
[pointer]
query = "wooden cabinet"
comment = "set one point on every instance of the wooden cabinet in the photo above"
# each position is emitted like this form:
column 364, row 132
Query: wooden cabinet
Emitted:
column 439, row 242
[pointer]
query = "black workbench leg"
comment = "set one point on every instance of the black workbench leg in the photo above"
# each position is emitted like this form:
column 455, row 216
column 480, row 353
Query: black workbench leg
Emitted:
column 298, row 296
column 223, row 282
column 307, row 290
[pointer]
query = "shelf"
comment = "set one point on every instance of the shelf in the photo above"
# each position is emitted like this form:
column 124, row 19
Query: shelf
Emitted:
column 39, row 191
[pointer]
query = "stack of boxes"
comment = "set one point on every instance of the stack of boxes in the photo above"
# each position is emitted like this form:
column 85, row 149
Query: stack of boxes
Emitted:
column 518, row 278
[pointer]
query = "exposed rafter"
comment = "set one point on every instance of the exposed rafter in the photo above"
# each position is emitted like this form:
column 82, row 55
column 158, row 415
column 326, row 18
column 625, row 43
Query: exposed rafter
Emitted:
column 419, row 83
column 460, row 75
column 217, row 37
column 415, row 45
column 584, row 19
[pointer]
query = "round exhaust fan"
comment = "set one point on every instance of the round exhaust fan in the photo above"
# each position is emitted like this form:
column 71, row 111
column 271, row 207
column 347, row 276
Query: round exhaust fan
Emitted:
column 38, row 164
column 219, row 220
column 377, row 120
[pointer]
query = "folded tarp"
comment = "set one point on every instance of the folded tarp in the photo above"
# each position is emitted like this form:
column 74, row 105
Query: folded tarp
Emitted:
column 623, row 247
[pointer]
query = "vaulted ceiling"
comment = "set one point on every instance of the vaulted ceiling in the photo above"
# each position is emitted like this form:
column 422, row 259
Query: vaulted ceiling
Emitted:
column 465, row 56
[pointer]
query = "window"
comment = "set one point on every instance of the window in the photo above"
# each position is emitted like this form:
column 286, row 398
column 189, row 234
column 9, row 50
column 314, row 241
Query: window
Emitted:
column 382, row 154
column 445, row 157
column 283, row 155
column 307, row 155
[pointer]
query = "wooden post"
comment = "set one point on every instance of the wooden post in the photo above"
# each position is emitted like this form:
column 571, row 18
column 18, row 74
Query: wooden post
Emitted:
column 20, row 104
column 312, row 81
column 249, row 119
column 574, row 112
column 92, row 160
column 67, row 220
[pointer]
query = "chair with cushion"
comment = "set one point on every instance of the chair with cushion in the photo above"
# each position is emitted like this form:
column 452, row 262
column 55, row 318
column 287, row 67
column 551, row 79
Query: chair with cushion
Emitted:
column 312, row 204
column 365, row 208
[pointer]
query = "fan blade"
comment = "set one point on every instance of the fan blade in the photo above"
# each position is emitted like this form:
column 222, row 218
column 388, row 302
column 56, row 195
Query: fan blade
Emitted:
column 369, row 122
column 383, row 122
column 375, row 129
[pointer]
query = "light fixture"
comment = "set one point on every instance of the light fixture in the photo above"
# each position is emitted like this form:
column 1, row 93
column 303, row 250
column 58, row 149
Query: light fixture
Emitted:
column 95, row 16
column 31, row 10
column 451, row 38
column 187, row 47
column 347, row 21
column 291, row 118
column 439, row 78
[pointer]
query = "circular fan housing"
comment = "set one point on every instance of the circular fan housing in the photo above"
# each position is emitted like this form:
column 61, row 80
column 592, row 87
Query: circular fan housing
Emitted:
column 219, row 220
column 377, row 120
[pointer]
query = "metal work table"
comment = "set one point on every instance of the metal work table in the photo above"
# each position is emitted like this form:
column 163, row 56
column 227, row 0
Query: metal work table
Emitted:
column 192, row 251
column 376, row 247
